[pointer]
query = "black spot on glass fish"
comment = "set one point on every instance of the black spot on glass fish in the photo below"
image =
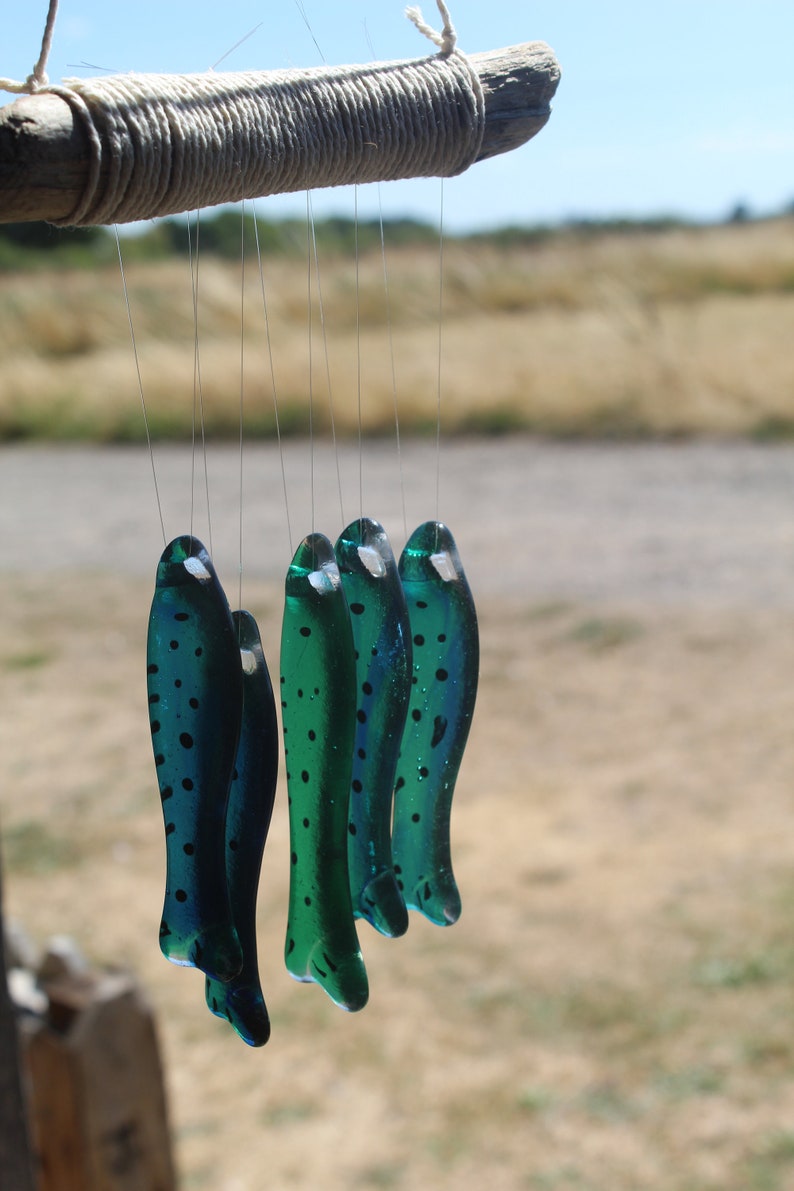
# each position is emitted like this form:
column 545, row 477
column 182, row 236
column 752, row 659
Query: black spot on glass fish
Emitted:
column 439, row 728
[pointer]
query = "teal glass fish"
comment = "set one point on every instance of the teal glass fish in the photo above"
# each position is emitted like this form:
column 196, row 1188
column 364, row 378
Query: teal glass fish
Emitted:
column 444, row 688
column 318, row 701
column 195, row 704
column 382, row 639
column 248, row 814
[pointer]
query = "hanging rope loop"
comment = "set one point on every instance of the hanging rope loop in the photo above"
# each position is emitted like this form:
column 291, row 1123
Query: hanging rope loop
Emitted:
column 38, row 80
column 447, row 39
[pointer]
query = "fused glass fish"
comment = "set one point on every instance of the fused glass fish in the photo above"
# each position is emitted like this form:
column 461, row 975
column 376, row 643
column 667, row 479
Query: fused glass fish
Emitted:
column 382, row 639
column 195, row 703
column 251, row 798
column 318, row 700
column 444, row 687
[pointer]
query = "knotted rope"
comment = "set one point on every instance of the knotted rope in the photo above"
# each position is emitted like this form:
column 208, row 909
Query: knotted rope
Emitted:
column 160, row 144
column 37, row 81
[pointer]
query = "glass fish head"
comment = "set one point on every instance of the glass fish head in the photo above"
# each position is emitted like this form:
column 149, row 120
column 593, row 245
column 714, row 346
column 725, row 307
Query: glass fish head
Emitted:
column 185, row 560
column 431, row 554
column 313, row 568
column 363, row 548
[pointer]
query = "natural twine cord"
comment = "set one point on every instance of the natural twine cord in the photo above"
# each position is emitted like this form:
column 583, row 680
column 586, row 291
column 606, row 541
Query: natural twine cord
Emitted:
column 161, row 144
column 37, row 81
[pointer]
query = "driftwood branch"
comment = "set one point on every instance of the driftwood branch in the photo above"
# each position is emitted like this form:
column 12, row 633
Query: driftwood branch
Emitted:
column 46, row 154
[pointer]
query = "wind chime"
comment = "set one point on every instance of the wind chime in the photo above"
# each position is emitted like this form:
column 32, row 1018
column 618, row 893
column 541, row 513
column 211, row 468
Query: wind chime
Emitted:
column 379, row 658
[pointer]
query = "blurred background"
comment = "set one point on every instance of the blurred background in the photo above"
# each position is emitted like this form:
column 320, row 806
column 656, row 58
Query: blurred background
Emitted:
column 617, row 465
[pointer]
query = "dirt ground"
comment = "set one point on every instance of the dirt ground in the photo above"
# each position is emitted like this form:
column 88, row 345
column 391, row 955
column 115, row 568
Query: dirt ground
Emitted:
column 613, row 1012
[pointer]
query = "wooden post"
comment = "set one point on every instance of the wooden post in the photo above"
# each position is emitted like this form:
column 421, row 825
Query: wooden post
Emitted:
column 16, row 1169
column 98, row 1103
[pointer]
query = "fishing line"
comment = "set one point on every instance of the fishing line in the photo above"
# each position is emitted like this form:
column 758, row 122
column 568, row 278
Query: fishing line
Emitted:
column 273, row 382
column 198, row 391
column 321, row 310
column 242, row 397
column 358, row 360
column 327, row 356
column 392, row 362
column 140, row 382
column 237, row 45
column 440, row 344
column 302, row 11
column 311, row 358
column 390, row 330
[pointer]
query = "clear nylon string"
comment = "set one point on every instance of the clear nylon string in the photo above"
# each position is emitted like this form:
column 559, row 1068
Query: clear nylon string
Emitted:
column 440, row 347
column 140, row 384
column 276, row 416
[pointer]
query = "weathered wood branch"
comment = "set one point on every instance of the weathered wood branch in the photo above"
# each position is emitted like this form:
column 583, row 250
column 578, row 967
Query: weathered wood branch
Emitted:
column 48, row 152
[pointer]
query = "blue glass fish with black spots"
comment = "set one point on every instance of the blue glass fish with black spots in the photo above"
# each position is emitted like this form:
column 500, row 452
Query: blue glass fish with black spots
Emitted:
column 382, row 638
column 253, row 789
column 446, row 654
column 195, row 702
column 318, row 701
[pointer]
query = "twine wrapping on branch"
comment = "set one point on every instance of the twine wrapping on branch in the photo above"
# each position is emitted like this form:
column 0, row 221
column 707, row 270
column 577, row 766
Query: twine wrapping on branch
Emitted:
column 160, row 144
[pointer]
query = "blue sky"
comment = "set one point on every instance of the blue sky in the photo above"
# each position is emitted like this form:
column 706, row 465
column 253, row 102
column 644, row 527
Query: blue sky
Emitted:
column 678, row 107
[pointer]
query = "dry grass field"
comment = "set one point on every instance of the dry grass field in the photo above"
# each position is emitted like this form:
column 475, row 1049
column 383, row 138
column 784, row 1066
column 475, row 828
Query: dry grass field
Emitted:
column 613, row 1012
column 665, row 333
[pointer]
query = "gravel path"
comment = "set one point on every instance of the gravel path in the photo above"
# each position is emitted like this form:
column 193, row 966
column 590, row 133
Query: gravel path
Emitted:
column 656, row 524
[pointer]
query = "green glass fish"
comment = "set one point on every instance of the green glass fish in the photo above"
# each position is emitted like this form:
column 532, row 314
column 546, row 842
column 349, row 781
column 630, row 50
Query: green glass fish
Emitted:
column 382, row 638
column 444, row 688
column 195, row 704
column 251, row 798
column 318, row 700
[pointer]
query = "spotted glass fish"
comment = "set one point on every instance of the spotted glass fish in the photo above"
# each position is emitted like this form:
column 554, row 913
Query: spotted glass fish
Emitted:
column 318, row 700
column 195, row 703
column 382, row 638
column 251, row 798
column 444, row 688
